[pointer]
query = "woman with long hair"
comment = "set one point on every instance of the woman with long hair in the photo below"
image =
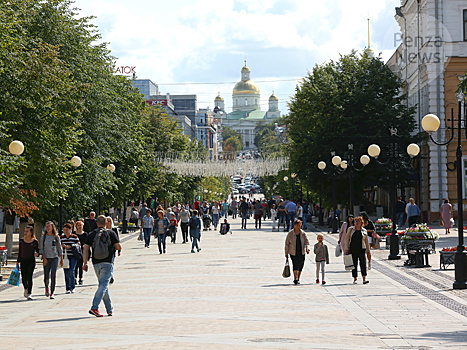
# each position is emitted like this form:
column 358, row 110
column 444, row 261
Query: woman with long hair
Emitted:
column 343, row 232
column 28, row 251
column 52, row 255
column 82, row 238
column 67, row 240
column 356, row 243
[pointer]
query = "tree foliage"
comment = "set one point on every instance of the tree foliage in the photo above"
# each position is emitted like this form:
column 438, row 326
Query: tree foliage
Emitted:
column 355, row 100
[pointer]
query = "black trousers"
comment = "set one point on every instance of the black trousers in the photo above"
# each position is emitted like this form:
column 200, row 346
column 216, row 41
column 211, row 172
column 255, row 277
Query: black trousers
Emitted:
column 297, row 262
column 184, row 227
column 356, row 257
column 79, row 269
column 27, row 266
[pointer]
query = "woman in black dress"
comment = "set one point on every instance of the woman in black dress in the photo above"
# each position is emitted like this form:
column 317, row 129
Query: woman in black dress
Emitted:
column 296, row 244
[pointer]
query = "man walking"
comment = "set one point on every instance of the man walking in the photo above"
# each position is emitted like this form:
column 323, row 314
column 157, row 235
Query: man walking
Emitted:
column 244, row 208
column 290, row 208
column 90, row 223
column 104, row 243
column 234, row 207
column 142, row 213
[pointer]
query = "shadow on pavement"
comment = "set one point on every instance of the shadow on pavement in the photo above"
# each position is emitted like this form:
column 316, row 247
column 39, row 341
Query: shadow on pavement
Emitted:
column 64, row 319
column 460, row 337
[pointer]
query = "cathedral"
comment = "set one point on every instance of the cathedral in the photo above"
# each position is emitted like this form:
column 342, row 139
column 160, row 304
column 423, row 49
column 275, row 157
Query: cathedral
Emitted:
column 246, row 109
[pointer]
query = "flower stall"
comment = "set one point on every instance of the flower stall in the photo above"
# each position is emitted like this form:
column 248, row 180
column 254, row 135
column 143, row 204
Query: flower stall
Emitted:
column 447, row 257
column 418, row 240
column 383, row 227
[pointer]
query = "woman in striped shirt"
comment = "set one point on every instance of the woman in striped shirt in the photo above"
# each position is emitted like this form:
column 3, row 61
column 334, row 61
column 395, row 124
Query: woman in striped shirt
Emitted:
column 67, row 239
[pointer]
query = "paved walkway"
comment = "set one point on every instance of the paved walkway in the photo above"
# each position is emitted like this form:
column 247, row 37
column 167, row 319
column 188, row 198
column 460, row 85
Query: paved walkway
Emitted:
column 231, row 296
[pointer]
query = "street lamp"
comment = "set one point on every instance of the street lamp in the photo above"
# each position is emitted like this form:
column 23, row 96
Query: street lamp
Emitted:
column 336, row 161
column 431, row 123
column 374, row 151
column 350, row 164
column 75, row 163
column 16, row 148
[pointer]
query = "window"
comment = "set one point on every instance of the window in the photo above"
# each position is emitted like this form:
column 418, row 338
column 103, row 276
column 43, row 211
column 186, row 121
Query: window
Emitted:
column 465, row 25
column 246, row 102
column 247, row 143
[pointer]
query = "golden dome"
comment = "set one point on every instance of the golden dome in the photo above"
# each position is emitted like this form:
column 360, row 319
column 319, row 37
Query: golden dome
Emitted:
column 218, row 98
column 246, row 88
column 273, row 97
column 245, row 69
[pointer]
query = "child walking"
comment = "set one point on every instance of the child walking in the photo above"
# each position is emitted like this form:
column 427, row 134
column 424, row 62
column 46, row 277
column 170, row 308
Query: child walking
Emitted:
column 322, row 257
column 173, row 227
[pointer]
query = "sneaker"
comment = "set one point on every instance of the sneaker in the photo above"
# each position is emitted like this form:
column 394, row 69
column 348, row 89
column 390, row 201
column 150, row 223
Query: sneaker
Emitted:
column 80, row 282
column 47, row 294
column 324, row 282
column 199, row 249
column 366, row 282
column 52, row 296
column 29, row 297
column 25, row 292
column 72, row 291
column 192, row 250
column 68, row 292
column 298, row 282
column 317, row 280
column 354, row 282
column 95, row 312
column 109, row 314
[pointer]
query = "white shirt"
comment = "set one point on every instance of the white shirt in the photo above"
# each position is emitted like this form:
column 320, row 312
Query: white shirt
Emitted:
column 299, row 212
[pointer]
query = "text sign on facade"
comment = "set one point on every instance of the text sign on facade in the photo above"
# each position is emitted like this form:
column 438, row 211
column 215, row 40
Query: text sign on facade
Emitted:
column 157, row 102
column 125, row 70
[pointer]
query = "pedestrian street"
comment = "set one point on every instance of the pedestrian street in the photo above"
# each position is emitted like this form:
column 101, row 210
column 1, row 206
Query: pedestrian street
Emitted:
column 231, row 295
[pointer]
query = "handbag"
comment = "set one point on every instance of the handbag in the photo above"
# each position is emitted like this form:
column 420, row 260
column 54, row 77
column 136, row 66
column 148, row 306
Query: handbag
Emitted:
column 338, row 250
column 452, row 222
column 348, row 262
column 286, row 271
column 14, row 277
column 66, row 261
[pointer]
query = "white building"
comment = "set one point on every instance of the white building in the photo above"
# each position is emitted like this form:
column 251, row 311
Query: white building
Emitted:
column 431, row 58
column 246, row 112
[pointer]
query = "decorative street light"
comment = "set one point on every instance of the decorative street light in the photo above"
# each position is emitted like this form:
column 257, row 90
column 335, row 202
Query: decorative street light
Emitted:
column 374, row 151
column 431, row 123
column 75, row 163
column 16, row 148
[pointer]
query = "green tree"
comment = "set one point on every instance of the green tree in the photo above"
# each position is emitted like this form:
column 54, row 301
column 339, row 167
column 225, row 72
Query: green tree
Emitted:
column 232, row 143
column 353, row 100
column 228, row 132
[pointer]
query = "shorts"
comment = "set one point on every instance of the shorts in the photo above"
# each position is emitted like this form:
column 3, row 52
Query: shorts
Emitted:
column 297, row 262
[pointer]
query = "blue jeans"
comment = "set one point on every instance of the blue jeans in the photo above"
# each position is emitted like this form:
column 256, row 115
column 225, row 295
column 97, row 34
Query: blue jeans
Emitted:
column 400, row 219
column 194, row 243
column 70, row 274
column 234, row 213
column 104, row 272
column 290, row 219
column 147, row 235
column 215, row 220
column 305, row 216
column 161, row 241
column 225, row 213
column 244, row 218
column 50, row 271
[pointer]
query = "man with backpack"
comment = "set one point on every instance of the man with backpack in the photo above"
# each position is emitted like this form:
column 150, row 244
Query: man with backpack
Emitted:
column 102, row 243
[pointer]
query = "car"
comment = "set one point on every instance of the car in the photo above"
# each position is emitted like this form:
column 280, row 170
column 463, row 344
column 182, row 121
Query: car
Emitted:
column 235, row 191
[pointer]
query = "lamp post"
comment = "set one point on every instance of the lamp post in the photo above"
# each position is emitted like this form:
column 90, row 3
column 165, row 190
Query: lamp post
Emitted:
column 374, row 150
column 293, row 176
column 286, row 178
column 336, row 161
column 75, row 163
column 431, row 123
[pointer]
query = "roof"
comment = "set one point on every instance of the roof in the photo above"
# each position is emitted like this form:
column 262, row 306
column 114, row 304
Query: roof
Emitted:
column 255, row 114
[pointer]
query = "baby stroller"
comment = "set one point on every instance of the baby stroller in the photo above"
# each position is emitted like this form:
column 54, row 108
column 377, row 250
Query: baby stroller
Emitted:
column 207, row 222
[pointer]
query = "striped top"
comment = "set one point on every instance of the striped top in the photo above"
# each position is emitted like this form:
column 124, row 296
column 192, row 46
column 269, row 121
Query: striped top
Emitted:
column 73, row 239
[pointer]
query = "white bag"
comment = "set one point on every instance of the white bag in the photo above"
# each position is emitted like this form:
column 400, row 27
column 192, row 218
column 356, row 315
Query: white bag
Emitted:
column 338, row 250
column 66, row 261
column 348, row 262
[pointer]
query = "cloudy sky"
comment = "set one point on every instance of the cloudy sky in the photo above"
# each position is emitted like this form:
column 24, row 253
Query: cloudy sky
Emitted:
column 205, row 41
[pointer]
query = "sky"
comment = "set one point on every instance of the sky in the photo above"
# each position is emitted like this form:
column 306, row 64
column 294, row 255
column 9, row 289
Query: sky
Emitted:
column 199, row 46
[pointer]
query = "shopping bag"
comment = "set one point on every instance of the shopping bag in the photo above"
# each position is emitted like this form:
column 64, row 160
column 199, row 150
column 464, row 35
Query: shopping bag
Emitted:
column 14, row 276
column 66, row 261
column 286, row 271
column 338, row 250
column 348, row 262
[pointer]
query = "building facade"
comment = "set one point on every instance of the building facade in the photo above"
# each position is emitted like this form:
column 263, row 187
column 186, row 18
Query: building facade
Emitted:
column 246, row 108
column 431, row 59
column 146, row 87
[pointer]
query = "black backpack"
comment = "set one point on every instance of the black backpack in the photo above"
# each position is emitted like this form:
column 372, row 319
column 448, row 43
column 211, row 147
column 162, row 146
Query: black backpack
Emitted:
column 101, row 244
column 193, row 224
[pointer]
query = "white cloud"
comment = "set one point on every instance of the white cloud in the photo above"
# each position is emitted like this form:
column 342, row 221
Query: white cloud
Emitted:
column 206, row 40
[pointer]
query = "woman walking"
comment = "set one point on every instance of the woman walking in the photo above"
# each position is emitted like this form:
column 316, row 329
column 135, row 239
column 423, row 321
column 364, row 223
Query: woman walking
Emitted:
column 273, row 216
column 296, row 244
column 184, row 219
column 215, row 214
column 446, row 215
column 413, row 212
column 82, row 238
column 28, row 251
column 356, row 243
column 161, row 226
column 147, row 226
column 195, row 231
column 51, row 250
column 67, row 239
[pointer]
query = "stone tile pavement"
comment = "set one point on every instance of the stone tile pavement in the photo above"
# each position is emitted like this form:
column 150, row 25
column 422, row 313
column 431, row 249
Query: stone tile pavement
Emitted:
column 231, row 296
